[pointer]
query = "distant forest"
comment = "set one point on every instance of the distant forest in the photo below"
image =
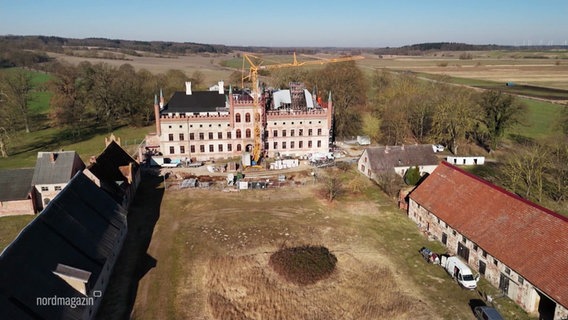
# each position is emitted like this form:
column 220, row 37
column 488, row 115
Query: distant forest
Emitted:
column 28, row 50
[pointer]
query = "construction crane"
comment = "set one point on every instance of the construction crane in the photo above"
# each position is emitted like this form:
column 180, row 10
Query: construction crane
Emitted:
column 253, row 76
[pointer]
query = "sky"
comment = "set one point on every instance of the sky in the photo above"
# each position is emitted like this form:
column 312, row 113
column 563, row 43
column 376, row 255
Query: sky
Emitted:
column 294, row 23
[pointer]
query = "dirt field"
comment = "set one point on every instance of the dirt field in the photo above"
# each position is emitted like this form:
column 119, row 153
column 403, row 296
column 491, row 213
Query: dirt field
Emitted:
column 212, row 250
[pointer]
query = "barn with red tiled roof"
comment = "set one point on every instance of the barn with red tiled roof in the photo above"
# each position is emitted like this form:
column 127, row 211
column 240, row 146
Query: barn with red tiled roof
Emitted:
column 519, row 246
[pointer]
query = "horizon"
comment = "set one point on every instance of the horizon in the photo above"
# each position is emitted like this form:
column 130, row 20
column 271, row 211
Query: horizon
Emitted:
column 336, row 24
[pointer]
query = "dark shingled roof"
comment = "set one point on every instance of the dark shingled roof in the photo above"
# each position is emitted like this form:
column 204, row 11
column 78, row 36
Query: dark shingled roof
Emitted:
column 79, row 228
column 66, row 164
column 198, row 101
column 389, row 157
column 529, row 239
column 107, row 169
column 15, row 184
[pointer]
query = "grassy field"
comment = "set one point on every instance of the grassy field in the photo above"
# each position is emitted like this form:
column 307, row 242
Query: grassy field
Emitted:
column 212, row 250
column 10, row 227
column 541, row 119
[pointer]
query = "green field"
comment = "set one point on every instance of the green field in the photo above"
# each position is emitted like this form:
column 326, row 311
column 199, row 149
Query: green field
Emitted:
column 541, row 119
column 10, row 227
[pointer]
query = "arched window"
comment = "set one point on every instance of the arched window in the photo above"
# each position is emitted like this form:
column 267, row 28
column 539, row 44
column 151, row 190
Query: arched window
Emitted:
column 238, row 117
column 238, row 133
column 247, row 133
column 247, row 117
column 239, row 147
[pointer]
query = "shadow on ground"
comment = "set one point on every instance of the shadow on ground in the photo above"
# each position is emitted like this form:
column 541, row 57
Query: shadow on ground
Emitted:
column 134, row 262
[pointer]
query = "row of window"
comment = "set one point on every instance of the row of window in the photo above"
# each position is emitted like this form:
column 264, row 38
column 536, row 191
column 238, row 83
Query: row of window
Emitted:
column 248, row 133
column 220, row 147
column 55, row 188
column 293, row 132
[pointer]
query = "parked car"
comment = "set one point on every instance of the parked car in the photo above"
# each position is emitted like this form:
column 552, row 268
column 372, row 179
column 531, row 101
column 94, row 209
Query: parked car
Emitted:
column 438, row 147
column 487, row 313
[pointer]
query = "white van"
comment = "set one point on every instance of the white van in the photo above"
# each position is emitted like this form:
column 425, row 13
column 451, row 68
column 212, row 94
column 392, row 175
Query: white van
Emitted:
column 460, row 271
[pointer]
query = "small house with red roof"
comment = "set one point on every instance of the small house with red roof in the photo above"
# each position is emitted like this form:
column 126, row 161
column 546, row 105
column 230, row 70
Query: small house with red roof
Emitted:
column 518, row 246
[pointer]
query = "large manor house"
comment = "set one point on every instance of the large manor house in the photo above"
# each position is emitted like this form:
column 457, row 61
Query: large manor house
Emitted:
column 216, row 124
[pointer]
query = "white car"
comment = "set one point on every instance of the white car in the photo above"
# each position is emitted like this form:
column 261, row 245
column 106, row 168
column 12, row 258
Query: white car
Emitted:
column 438, row 147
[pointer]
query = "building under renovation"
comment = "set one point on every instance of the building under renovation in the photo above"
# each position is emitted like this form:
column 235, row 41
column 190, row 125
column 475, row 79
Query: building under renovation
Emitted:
column 205, row 125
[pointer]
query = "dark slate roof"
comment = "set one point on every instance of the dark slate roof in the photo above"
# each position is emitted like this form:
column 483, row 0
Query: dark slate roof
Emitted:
column 389, row 157
column 66, row 164
column 198, row 101
column 79, row 228
column 15, row 184
column 529, row 239
column 108, row 162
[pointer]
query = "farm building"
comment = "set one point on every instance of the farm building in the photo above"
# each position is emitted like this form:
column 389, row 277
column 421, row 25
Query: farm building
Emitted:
column 516, row 245
column 16, row 192
column 205, row 125
column 59, row 265
column 379, row 160
column 52, row 172
column 116, row 172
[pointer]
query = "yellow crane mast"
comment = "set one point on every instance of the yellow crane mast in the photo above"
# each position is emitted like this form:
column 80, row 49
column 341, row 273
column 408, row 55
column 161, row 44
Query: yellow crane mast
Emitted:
column 253, row 76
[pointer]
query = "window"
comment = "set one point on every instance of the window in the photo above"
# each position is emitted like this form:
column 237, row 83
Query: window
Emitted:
column 219, row 135
column 210, row 135
column 507, row 271
column 484, row 253
column 454, row 232
column 192, row 136
column 362, row 168
column 309, row 132
column 239, row 147
column 229, row 147
column 44, row 188
column 229, row 135
column 495, row 262
column 482, row 267
column 464, row 239
column 275, row 146
column 171, row 137
column 301, row 144
column 309, row 143
column 192, row 149
column 180, row 126
column 247, row 133
column 181, row 137
column 238, row 133
column 301, row 132
column 475, row 247
column 238, row 117
column 211, row 148
column 292, row 132
column 201, row 136
column 202, row 148
column 291, row 144
column 521, row 280
column 57, row 188
column 283, row 133
column 319, row 132
column 220, row 147
column 283, row 144
column 172, row 151
column 275, row 133
column 319, row 143
column 247, row 117
column 182, row 149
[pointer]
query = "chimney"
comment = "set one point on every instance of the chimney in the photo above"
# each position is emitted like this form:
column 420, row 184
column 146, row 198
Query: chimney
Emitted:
column 161, row 99
column 188, row 88
column 53, row 157
column 221, row 87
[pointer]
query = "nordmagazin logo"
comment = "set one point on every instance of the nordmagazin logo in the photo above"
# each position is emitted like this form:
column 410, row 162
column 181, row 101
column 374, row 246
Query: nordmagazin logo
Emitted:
column 72, row 302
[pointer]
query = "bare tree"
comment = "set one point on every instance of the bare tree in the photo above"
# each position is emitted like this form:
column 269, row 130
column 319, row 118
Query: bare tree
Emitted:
column 454, row 117
column 500, row 111
column 525, row 171
column 332, row 187
column 4, row 137
column 17, row 88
